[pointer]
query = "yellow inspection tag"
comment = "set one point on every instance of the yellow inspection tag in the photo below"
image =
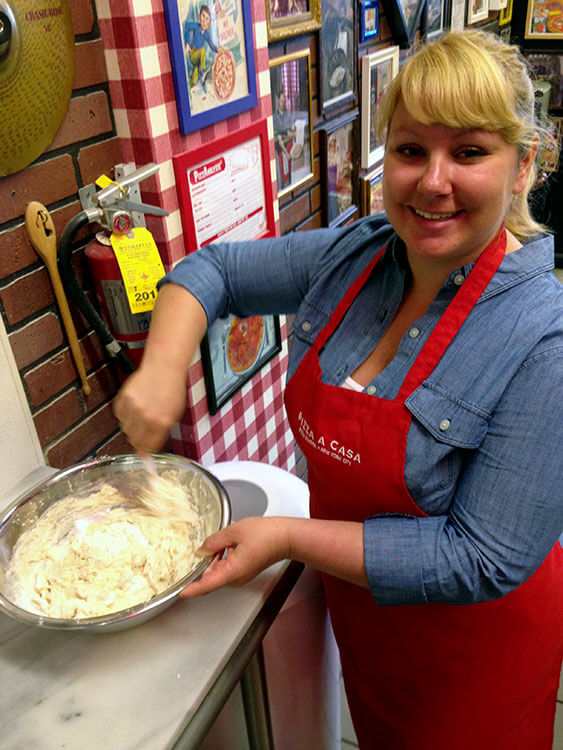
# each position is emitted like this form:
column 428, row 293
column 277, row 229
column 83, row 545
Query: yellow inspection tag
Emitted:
column 103, row 181
column 140, row 266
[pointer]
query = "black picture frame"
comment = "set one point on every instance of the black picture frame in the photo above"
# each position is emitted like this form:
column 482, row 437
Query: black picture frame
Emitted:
column 338, row 55
column 403, row 17
column 340, row 183
column 224, row 374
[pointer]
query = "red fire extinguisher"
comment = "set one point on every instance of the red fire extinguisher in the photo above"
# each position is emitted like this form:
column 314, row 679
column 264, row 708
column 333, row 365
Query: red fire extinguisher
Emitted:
column 129, row 329
column 122, row 332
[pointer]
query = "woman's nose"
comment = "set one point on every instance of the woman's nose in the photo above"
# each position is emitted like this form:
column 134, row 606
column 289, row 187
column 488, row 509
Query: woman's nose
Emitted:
column 436, row 177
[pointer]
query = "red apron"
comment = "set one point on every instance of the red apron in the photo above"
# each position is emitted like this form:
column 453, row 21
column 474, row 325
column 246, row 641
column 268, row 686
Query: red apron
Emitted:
column 426, row 676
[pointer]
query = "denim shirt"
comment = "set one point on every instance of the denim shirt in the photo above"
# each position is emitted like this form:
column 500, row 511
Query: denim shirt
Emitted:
column 491, row 483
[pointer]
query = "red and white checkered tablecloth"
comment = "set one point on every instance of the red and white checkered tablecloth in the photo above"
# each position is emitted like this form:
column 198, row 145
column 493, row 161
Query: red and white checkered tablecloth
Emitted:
column 252, row 425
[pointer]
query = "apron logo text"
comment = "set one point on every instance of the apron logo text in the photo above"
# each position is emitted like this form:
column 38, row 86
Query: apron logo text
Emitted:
column 330, row 447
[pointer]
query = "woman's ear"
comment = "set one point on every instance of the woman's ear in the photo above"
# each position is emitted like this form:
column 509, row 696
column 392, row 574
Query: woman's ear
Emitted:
column 525, row 166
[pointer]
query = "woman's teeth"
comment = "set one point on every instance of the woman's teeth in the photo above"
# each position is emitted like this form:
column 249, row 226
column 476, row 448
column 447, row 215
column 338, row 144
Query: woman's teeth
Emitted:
column 434, row 217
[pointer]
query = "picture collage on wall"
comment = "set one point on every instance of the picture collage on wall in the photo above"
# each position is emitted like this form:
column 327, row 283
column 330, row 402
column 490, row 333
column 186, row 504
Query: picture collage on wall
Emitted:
column 330, row 62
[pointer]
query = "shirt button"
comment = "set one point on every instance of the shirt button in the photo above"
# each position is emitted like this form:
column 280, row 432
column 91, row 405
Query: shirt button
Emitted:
column 306, row 325
column 413, row 333
column 444, row 424
column 371, row 389
column 459, row 278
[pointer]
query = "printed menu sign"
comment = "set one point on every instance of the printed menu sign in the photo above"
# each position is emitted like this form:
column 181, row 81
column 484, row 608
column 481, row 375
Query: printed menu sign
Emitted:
column 227, row 195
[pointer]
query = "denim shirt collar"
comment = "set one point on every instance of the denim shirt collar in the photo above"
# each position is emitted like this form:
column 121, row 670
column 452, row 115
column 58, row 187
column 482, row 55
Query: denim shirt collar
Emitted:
column 536, row 256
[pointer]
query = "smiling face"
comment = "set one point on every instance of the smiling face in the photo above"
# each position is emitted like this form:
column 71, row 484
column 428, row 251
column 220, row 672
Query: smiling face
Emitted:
column 446, row 190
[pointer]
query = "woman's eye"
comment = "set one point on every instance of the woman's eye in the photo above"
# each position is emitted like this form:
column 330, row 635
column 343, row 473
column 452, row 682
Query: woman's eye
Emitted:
column 471, row 152
column 409, row 150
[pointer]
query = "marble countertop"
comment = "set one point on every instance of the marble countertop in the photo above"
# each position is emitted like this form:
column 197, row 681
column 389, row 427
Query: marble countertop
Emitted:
column 140, row 688
column 136, row 688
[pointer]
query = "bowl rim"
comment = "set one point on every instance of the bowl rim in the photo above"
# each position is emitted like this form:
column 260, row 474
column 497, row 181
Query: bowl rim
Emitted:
column 143, row 608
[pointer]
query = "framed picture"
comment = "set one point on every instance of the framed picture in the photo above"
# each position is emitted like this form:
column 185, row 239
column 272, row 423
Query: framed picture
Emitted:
column 287, row 18
column 378, row 70
column 339, row 175
column 337, row 58
column 403, row 17
column 548, row 158
column 233, row 351
column 477, row 10
column 225, row 188
column 212, row 56
column 372, row 192
column 497, row 4
column 538, row 24
column 369, row 20
column 548, row 66
column 290, row 80
column 505, row 15
column 437, row 20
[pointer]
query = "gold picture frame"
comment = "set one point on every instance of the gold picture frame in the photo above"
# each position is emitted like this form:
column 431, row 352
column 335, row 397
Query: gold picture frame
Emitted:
column 371, row 192
column 286, row 18
column 505, row 15
column 544, row 21
column 292, row 116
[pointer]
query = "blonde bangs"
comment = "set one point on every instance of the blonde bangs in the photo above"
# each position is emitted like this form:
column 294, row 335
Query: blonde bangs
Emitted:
column 451, row 85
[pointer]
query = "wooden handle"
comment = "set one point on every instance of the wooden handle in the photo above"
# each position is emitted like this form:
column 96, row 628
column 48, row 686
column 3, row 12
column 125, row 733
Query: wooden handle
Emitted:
column 41, row 233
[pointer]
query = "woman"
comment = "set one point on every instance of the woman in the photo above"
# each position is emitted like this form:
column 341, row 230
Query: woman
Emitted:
column 425, row 391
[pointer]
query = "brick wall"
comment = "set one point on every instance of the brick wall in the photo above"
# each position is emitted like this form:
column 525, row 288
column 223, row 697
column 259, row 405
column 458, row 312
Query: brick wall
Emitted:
column 70, row 426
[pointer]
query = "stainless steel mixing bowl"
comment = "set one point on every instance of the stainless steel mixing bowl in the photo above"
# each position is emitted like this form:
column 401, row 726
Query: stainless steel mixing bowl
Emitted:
column 125, row 471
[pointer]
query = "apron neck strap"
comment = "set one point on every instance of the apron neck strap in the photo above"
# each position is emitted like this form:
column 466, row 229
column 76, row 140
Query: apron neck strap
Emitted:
column 457, row 311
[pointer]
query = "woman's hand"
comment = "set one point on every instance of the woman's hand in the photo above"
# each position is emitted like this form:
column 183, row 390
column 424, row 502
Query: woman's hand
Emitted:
column 154, row 396
column 147, row 406
column 251, row 545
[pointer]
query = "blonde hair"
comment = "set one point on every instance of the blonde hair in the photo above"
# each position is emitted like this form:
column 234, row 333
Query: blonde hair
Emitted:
column 471, row 79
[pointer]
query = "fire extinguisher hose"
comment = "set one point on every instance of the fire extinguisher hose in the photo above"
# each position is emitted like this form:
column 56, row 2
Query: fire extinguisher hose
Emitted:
column 75, row 291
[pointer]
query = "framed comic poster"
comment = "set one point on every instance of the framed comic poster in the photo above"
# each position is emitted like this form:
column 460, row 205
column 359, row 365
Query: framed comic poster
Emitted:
column 505, row 15
column 290, row 82
column 225, row 188
column 378, row 70
column 287, row 18
column 212, row 55
column 369, row 20
column 339, row 174
column 477, row 10
column 403, row 17
column 538, row 24
column 233, row 351
column 372, row 192
column 337, row 58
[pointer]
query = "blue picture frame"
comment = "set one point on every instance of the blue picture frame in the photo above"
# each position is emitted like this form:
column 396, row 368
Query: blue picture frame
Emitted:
column 205, row 95
column 369, row 20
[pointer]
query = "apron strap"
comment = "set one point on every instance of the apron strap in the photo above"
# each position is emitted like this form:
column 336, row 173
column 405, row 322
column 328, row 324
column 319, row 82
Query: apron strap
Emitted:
column 455, row 315
column 341, row 309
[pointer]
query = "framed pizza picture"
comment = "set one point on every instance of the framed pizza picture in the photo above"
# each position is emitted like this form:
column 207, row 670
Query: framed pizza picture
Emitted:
column 233, row 351
column 212, row 56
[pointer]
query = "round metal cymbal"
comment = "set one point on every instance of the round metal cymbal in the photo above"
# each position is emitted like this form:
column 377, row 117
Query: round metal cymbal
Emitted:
column 36, row 75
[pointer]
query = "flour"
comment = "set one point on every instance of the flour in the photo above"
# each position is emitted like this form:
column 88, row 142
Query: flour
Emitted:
column 92, row 555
